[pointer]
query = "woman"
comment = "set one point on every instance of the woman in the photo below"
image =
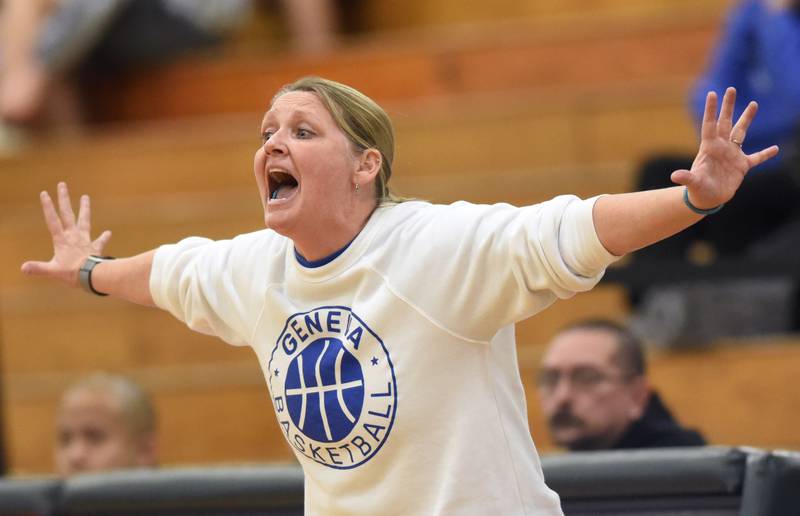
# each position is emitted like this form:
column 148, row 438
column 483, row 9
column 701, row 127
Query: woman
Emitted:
column 385, row 328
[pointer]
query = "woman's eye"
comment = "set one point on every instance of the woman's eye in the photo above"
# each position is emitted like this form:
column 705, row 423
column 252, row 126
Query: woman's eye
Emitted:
column 266, row 135
column 303, row 133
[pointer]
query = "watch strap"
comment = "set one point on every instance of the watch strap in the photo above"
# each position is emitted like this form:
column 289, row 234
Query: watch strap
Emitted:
column 85, row 273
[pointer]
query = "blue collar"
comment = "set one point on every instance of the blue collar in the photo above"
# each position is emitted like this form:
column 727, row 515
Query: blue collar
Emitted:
column 312, row 264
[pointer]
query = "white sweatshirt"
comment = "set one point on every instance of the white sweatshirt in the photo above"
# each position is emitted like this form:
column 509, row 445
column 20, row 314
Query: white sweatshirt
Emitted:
column 392, row 368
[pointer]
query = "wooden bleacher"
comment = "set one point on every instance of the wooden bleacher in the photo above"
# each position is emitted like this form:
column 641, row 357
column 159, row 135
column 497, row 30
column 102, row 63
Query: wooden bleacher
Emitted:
column 567, row 99
column 567, row 54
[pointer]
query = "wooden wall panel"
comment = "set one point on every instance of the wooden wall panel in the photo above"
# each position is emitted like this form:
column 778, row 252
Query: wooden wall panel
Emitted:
column 29, row 433
column 244, row 428
column 479, row 143
column 387, row 14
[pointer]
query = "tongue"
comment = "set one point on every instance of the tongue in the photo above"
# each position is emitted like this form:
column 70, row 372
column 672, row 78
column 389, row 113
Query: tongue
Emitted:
column 284, row 191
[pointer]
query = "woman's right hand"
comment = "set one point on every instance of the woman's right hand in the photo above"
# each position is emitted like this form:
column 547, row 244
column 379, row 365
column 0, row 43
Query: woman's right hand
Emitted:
column 72, row 242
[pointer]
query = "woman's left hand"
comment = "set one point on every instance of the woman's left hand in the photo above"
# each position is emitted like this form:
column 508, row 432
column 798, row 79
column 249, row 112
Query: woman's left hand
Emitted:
column 720, row 165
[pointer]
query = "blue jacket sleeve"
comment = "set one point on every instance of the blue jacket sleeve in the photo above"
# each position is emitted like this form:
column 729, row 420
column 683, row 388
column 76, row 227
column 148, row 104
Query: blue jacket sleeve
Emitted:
column 729, row 61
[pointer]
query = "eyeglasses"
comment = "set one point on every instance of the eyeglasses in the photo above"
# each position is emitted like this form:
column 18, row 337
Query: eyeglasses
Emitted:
column 584, row 379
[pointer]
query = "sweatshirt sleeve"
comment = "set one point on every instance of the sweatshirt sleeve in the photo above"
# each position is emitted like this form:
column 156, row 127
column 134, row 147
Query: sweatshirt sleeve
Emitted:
column 496, row 265
column 209, row 285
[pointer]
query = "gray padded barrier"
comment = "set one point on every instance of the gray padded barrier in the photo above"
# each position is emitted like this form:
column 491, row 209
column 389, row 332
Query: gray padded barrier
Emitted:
column 228, row 491
column 712, row 481
column 772, row 484
column 669, row 481
column 29, row 497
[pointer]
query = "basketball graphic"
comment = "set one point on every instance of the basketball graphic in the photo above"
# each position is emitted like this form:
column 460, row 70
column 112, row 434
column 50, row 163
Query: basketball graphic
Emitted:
column 333, row 387
column 324, row 389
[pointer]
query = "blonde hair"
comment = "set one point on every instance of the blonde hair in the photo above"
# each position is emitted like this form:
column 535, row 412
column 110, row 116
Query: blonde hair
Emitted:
column 135, row 405
column 365, row 123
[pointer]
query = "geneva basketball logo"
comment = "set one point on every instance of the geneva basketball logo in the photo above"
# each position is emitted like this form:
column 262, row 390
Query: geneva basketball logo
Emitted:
column 325, row 411
column 333, row 387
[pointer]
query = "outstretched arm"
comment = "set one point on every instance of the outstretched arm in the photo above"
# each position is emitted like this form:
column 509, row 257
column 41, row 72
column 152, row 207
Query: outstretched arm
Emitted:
column 627, row 222
column 127, row 278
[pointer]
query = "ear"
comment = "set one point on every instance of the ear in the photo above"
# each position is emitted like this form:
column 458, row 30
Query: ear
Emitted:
column 369, row 166
column 640, row 395
column 148, row 451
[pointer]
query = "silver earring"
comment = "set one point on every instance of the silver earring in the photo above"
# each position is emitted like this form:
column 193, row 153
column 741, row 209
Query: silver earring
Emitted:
column 357, row 187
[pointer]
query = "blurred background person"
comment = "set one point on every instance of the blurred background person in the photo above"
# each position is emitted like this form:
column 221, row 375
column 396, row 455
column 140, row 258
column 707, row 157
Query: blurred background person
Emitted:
column 595, row 395
column 44, row 40
column 105, row 422
column 49, row 47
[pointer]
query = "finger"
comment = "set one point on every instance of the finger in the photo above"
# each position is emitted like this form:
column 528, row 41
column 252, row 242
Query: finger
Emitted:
column 709, row 126
column 761, row 156
column 65, row 207
column 739, row 131
column 100, row 243
column 37, row 268
column 683, row 177
column 85, row 215
column 50, row 215
column 725, row 121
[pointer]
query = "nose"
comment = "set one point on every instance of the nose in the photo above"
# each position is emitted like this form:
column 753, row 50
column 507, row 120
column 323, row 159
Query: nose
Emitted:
column 76, row 455
column 275, row 145
column 562, row 391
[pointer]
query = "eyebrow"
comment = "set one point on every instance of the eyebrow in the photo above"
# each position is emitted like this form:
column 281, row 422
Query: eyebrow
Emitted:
column 295, row 114
column 576, row 367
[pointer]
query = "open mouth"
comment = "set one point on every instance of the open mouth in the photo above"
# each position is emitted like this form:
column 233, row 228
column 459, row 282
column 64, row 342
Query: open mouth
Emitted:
column 281, row 184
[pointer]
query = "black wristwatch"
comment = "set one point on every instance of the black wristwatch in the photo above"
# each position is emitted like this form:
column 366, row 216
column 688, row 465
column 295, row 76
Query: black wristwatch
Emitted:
column 85, row 272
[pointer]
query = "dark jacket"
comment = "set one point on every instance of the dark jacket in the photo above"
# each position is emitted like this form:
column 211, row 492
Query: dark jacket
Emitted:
column 658, row 429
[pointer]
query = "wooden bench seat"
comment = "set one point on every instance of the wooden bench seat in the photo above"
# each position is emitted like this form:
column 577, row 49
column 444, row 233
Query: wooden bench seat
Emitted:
column 507, row 58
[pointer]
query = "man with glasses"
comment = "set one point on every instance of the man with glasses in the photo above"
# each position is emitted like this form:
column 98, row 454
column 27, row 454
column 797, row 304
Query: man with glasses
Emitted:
column 595, row 394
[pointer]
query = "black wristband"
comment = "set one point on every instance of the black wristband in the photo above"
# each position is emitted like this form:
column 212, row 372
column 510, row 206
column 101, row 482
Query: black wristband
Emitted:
column 85, row 273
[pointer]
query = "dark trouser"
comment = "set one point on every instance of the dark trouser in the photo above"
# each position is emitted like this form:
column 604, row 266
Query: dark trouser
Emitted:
column 761, row 221
column 145, row 33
